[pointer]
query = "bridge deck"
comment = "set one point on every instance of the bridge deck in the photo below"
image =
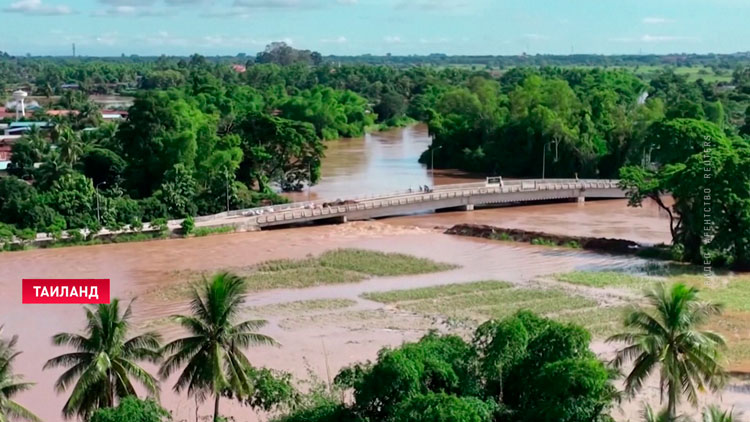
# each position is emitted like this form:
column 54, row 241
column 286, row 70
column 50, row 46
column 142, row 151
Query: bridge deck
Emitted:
column 443, row 197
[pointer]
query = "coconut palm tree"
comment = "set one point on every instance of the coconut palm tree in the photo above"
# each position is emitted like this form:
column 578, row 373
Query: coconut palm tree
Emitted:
column 11, row 384
column 212, row 354
column 649, row 415
column 715, row 414
column 104, row 364
column 666, row 335
column 70, row 146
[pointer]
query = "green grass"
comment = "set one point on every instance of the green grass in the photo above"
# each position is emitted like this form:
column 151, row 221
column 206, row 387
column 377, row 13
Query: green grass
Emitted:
column 298, row 278
column 482, row 300
column 205, row 231
column 540, row 241
column 602, row 322
column 336, row 267
column 732, row 292
column 394, row 296
column 333, row 267
column 302, row 307
column 379, row 263
column 603, row 279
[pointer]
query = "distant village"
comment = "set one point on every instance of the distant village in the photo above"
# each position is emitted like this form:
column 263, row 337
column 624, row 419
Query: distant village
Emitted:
column 22, row 112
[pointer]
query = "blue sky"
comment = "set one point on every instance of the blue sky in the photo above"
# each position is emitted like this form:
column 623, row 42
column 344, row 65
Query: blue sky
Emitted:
column 210, row 27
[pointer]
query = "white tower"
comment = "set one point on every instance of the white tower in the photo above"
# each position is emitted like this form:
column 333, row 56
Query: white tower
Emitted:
column 20, row 97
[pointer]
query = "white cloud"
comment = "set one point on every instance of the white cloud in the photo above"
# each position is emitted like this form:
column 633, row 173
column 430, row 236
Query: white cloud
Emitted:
column 534, row 36
column 338, row 40
column 440, row 40
column 654, row 38
column 108, row 39
column 132, row 11
column 665, row 38
column 116, row 3
column 392, row 39
column 277, row 4
column 37, row 7
column 655, row 20
column 433, row 4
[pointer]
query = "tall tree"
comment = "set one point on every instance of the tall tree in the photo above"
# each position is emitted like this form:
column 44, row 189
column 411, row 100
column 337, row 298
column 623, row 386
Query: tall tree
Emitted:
column 212, row 353
column 666, row 335
column 104, row 364
column 11, row 384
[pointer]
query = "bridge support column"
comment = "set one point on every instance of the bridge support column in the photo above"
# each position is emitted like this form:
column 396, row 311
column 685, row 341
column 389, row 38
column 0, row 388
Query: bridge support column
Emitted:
column 341, row 220
column 469, row 207
column 581, row 199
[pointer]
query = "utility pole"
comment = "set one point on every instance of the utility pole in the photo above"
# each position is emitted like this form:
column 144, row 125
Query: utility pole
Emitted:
column 98, row 214
column 226, row 174
column 544, row 154
column 432, row 162
column 309, row 180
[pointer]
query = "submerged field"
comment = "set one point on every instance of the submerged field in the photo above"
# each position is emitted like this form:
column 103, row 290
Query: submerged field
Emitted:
column 337, row 266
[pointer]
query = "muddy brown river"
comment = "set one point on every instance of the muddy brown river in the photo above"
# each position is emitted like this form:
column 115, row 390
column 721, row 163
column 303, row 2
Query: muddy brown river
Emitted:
column 377, row 163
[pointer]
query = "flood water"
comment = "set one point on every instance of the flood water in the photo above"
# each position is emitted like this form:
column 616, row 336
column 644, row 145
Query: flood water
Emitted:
column 377, row 163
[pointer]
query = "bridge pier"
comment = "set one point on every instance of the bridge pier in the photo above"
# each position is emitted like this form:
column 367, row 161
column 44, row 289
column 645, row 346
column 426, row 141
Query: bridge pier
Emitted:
column 581, row 199
column 469, row 207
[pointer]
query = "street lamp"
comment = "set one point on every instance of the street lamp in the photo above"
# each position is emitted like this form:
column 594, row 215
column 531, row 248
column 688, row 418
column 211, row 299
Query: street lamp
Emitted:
column 432, row 161
column 98, row 215
column 226, row 176
column 544, row 154
column 309, row 180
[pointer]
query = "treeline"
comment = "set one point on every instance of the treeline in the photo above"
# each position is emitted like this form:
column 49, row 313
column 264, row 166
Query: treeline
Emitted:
column 523, row 368
column 718, row 61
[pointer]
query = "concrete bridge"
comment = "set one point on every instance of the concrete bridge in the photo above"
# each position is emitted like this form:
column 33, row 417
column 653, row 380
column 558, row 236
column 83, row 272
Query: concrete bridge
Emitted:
column 457, row 196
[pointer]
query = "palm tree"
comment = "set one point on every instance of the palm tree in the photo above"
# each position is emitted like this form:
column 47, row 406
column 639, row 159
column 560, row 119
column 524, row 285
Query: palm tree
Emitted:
column 11, row 384
column 104, row 361
column 649, row 415
column 715, row 414
column 70, row 146
column 213, row 351
column 666, row 335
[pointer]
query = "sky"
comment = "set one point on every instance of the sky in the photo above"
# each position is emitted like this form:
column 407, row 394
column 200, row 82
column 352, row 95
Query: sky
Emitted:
column 353, row 27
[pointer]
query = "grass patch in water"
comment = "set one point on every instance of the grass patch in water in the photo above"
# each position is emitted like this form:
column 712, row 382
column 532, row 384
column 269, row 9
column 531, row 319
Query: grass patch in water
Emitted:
column 297, row 278
column 603, row 279
column 302, row 306
column 332, row 267
column 380, row 263
column 393, row 296
column 205, row 231
column 482, row 300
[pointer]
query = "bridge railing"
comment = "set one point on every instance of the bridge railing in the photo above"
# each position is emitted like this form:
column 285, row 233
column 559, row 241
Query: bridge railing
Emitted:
column 318, row 203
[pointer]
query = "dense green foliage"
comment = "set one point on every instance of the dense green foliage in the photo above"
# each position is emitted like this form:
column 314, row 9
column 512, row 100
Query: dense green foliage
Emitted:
column 523, row 368
column 203, row 136
column 131, row 409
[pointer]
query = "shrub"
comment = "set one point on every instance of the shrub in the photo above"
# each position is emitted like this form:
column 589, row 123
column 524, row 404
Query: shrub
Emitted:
column 443, row 407
column 131, row 409
column 188, row 225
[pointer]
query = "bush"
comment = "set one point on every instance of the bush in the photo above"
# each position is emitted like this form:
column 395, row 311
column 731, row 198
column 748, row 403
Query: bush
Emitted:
column 131, row 409
column 443, row 407
column 159, row 224
column 439, row 364
column 188, row 225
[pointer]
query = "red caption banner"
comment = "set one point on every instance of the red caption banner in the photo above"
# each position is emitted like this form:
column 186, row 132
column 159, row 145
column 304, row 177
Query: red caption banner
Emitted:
column 65, row 290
